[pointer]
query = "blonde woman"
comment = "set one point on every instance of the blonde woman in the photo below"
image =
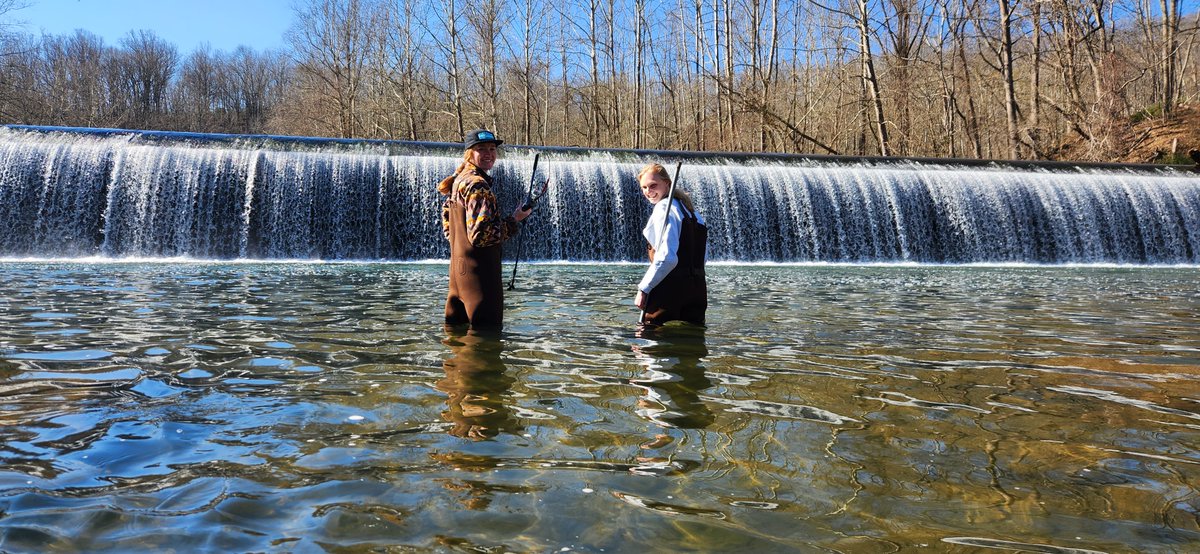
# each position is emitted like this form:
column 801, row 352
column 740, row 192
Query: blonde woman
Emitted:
column 673, row 287
column 472, row 223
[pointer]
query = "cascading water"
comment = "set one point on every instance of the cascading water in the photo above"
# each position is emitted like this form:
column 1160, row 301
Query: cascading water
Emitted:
column 70, row 194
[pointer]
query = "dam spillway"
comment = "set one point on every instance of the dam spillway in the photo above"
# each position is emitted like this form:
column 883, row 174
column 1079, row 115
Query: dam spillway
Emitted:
column 75, row 193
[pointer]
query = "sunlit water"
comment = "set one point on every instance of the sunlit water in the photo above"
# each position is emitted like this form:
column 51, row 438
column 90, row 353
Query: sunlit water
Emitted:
column 323, row 407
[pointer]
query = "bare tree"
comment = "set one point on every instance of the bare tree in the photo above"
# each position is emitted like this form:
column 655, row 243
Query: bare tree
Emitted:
column 1033, row 125
column 873, row 96
column 639, row 70
column 1161, row 29
column 729, row 85
column 402, row 68
column 197, row 90
column 593, row 41
column 1171, row 13
column 696, row 84
column 485, row 19
column 564, row 39
column 534, row 14
column 330, row 41
column 905, row 23
column 252, row 82
column 73, row 74
column 21, row 100
column 139, row 75
column 1011, row 110
column 612, row 114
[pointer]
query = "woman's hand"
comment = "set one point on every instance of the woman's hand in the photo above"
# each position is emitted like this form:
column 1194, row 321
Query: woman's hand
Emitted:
column 519, row 213
column 640, row 300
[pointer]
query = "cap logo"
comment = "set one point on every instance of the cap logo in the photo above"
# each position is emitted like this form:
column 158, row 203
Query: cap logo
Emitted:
column 485, row 135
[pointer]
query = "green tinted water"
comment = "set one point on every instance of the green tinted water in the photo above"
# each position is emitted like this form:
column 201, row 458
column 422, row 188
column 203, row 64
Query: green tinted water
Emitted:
column 317, row 407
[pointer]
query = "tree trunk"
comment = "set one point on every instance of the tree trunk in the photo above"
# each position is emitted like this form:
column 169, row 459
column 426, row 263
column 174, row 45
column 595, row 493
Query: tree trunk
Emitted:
column 729, row 84
column 455, row 77
column 639, row 70
column 614, row 92
column 698, row 86
column 1010, row 92
column 1033, row 126
column 718, row 90
column 594, row 54
column 526, row 78
column 870, row 80
column 1170, row 53
column 972, row 117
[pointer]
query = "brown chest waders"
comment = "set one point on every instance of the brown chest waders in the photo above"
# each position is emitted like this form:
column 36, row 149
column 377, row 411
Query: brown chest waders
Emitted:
column 476, row 289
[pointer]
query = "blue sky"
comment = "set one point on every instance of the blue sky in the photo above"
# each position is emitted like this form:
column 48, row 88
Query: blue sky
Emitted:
column 224, row 24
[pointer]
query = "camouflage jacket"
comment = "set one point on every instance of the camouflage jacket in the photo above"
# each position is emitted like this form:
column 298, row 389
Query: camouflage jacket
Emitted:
column 472, row 190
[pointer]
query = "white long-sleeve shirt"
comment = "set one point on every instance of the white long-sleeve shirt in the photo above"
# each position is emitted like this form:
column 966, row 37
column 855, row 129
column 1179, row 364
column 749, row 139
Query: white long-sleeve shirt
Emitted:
column 663, row 234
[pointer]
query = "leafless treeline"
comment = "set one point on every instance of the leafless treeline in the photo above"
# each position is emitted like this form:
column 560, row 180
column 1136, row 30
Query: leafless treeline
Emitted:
column 959, row 78
column 141, row 83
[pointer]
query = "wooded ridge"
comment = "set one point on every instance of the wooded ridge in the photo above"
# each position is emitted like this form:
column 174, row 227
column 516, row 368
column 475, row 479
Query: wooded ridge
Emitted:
column 1008, row 79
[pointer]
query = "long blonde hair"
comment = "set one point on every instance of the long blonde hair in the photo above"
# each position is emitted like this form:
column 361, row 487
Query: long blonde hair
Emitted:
column 659, row 171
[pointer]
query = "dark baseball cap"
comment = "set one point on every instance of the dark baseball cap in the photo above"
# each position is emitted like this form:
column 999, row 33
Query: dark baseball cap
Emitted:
column 480, row 136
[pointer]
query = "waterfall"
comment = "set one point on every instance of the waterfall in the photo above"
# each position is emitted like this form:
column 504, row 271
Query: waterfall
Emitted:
column 73, row 194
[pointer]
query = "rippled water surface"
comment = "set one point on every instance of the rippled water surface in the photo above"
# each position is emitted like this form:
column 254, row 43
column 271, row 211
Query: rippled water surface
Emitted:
column 321, row 407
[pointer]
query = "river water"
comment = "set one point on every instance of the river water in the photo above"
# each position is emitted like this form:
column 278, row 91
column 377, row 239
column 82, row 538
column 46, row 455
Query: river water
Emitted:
column 307, row 407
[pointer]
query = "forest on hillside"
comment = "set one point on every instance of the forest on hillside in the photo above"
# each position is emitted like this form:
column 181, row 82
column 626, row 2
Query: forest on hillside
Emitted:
column 999, row 79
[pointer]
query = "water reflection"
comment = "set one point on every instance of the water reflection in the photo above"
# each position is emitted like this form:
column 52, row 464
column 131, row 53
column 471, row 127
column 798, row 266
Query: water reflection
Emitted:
column 475, row 385
column 673, row 377
column 670, row 383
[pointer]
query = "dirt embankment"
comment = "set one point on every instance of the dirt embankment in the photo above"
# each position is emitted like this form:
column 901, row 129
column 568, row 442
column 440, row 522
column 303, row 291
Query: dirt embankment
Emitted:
column 1158, row 140
column 1150, row 140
